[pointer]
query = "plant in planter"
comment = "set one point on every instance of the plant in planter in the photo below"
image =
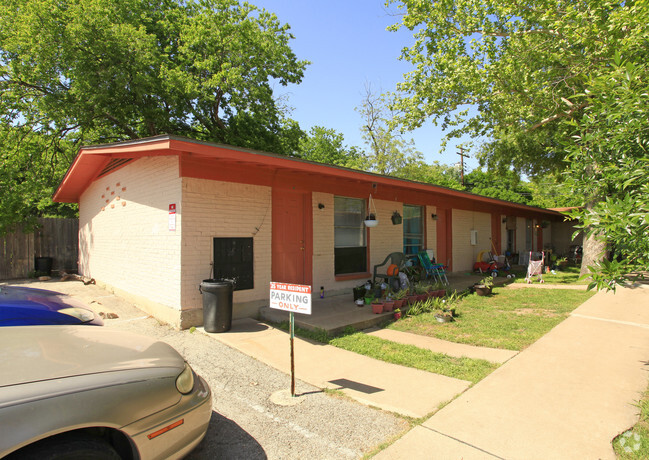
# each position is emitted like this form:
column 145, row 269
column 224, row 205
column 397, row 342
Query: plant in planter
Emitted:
column 421, row 288
column 484, row 286
column 377, row 306
column 397, row 313
column 444, row 317
column 369, row 297
column 388, row 303
column 400, row 298
column 412, row 295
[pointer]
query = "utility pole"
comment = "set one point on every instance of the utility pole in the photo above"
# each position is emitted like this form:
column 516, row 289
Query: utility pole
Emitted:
column 462, row 156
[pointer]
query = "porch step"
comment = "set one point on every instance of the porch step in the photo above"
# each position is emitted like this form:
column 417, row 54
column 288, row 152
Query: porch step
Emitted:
column 334, row 321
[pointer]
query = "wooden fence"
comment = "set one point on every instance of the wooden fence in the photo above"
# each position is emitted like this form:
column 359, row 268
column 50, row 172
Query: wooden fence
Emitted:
column 55, row 238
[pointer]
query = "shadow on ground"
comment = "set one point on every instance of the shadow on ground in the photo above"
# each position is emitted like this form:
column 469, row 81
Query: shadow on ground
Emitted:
column 226, row 439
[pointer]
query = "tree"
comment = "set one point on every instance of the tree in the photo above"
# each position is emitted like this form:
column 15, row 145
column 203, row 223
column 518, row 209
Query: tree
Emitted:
column 325, row 145
column 503, row 185
column 610, row 157
column 93, row 71
column 527, row 69
column 389, row 152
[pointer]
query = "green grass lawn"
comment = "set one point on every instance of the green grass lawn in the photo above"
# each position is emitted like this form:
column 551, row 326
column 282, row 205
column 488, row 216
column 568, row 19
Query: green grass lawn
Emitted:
column 567, row 275
column 469, row 369
column 634, row 444
column 510, row 318
column 472, row 370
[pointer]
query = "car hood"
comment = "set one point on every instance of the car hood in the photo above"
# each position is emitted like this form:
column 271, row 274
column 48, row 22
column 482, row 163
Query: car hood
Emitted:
column 36, row 353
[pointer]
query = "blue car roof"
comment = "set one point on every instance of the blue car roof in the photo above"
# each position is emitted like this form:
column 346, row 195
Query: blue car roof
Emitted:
column 22, row 306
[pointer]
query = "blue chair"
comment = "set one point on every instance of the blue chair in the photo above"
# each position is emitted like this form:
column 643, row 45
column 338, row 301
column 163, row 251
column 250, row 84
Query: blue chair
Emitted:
column 432, row 270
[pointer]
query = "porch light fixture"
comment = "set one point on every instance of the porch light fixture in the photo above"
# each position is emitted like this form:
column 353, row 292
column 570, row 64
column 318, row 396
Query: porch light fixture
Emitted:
column 321, row 206
column 433, row 216
column 504, row 220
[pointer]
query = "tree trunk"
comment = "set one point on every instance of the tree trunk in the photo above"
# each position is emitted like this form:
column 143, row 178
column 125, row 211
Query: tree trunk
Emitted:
column 594, row 246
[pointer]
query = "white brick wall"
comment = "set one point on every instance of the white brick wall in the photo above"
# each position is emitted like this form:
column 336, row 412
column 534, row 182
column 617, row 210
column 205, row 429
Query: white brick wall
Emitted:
column 323, row 242
column 223, row 209
column 464, row 254
column 124, row 239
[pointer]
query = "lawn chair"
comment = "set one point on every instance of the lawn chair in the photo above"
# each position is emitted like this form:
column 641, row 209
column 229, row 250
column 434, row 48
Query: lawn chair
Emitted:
column 395, row 258
column 432, row 270
column 535, row 267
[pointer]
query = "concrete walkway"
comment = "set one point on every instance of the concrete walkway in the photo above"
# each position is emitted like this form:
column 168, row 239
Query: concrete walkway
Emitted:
column 399, row 389
column 458, row 350
column 564, row 397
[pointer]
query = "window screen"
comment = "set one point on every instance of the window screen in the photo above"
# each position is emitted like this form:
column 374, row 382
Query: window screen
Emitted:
column 350, row 248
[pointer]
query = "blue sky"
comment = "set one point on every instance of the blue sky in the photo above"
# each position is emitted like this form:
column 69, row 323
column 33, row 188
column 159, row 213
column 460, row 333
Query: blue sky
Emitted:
column 348, row 46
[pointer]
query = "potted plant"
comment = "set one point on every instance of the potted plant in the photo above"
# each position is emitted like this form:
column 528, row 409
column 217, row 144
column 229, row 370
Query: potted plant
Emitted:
column 484, row 286
column 397, row 313
column 369, row 297
column 388, row 303
column 400, row 298
column 421, row 288
column 444, row 317
column 377, row 306
column 359, row 292
column 412, row 295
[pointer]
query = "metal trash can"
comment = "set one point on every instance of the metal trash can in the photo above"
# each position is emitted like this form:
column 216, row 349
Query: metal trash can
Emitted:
column 217, row 304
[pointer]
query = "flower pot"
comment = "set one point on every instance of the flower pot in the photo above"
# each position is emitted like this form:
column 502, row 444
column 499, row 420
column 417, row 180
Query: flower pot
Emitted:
column 377, row 308
column 412, row 299
column 388, row 305
column 482, row 290
column 368, row 300
column 399, row 303
column 440, row 292
column 422, row 297
column 397, row 315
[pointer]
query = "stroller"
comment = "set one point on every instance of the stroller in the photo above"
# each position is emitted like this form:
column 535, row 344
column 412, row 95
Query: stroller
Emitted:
column 535, row 267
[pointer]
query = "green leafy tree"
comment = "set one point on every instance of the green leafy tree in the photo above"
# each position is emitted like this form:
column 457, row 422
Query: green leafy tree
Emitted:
column 505, row 185
column 435, row 173
column 325, row 145
column 90, row 71
column 527, row 69
column 610, row 157
column 388, row 152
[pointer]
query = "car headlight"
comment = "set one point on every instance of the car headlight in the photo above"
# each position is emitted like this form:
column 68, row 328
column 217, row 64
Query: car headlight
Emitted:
column 79, row 313
column 185, row 381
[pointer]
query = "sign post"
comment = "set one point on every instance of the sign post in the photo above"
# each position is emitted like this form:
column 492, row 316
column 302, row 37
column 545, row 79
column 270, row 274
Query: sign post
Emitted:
column 294, row 298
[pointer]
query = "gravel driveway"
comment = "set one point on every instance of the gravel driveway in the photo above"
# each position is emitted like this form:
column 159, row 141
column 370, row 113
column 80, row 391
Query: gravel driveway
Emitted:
column 246, row 424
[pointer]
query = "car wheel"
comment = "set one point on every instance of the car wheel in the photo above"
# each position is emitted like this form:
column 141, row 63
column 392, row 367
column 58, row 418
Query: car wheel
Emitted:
column 68, row 447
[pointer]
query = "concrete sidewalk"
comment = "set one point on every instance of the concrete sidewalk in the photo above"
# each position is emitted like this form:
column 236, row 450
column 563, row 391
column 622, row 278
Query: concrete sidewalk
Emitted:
column 399, row 389
column 565, row 397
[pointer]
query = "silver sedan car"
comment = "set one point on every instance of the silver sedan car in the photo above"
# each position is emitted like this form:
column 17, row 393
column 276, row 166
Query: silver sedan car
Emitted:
column 88, row 392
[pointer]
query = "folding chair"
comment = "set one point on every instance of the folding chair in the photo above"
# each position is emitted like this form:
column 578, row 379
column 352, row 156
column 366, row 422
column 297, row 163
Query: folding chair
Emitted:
column 432, row 270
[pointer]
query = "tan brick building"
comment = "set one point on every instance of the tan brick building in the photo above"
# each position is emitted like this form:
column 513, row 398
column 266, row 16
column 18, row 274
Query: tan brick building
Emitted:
column 155, row 214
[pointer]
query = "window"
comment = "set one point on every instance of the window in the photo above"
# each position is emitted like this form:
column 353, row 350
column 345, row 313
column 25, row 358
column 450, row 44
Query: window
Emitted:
column 413, row 230
column 350, row 247
column 233, row 259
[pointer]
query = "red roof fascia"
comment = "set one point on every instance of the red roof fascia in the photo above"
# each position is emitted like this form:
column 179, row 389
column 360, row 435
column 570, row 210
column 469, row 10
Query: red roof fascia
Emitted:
column 90, row 161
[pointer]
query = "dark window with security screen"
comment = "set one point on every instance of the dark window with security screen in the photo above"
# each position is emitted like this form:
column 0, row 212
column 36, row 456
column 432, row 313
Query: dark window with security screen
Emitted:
column 233, row 260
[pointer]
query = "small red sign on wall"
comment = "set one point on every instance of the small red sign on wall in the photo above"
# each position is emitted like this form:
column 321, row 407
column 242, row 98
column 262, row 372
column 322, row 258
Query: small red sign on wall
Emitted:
column 172, row 217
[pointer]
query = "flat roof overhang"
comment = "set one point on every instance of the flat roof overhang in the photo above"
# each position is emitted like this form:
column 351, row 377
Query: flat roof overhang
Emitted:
column 211, row 161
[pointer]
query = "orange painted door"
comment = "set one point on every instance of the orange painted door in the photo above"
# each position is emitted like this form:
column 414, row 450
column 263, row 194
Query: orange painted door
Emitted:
column 292, row 233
